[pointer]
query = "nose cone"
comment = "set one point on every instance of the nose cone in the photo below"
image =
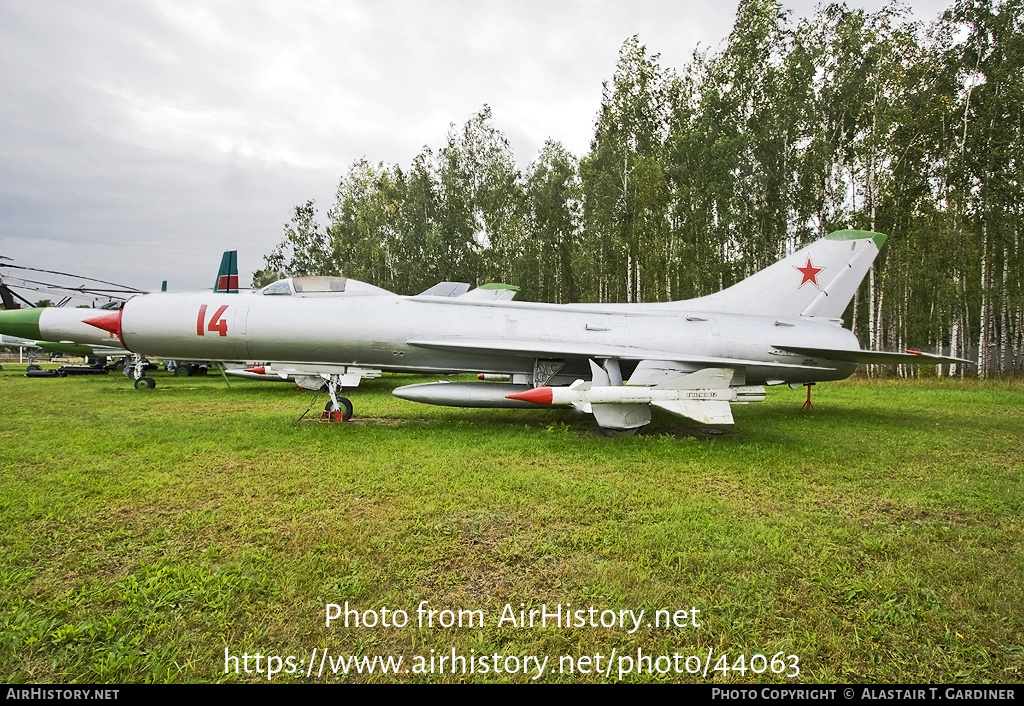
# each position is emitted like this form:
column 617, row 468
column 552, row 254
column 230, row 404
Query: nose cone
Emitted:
column 108, row 322
column 23, row 323
column 538, row 395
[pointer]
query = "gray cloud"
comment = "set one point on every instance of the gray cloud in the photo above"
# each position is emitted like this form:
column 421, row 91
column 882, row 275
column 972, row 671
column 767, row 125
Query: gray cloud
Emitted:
column 139, row 140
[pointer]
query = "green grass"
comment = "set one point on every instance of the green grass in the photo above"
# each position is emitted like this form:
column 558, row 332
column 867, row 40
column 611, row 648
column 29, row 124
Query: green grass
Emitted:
column 877, row 538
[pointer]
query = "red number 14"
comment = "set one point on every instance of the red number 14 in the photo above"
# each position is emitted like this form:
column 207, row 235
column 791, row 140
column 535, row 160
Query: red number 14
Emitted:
column 216, row 325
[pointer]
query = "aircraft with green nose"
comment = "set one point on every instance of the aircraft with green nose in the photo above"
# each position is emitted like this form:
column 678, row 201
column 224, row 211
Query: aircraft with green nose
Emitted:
column 60, row 331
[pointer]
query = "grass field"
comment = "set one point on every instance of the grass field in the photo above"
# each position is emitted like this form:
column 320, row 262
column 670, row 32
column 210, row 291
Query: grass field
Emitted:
column 142, row 534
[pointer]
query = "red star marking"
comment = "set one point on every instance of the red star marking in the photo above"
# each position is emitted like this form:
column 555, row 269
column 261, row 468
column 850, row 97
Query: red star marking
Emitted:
column 809, row 272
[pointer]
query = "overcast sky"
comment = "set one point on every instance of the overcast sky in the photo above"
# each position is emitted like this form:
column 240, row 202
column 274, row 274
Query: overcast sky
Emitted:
column 140, row 139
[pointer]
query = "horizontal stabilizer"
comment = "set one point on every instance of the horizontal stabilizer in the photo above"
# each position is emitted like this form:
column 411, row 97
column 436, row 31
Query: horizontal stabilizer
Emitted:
column 874, row 357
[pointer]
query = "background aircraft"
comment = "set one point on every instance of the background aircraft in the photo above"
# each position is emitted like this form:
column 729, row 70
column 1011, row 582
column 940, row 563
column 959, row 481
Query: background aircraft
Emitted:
column 692, row 358
column 61, row 329
column 83, row 351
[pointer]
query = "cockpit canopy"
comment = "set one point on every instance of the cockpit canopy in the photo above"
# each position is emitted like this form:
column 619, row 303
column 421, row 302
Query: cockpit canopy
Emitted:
column 321, row 287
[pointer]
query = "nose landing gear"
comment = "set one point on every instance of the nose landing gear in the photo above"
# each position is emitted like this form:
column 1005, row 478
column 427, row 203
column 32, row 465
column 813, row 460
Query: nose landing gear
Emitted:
column 340, row 413
column 136, row 369
column 338, row 409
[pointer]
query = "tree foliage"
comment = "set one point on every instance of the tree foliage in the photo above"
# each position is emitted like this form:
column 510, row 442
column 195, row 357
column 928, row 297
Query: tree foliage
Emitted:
column 697, row 178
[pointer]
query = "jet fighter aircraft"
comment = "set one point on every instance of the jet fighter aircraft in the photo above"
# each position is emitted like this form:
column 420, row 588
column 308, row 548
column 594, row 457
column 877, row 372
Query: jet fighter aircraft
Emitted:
column 692, row 358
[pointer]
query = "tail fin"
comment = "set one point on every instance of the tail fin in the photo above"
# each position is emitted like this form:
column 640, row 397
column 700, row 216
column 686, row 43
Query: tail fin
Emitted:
column 819, row 280
column 227, row 276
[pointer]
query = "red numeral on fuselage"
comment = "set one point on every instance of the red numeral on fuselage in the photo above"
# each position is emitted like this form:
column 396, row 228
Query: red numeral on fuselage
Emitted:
column 217, row 323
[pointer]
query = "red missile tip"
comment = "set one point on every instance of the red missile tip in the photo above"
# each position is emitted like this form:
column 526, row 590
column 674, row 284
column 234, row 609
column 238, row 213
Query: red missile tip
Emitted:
column 108, row 322
column 538, row 395
column 480, row 376
column 259, row 370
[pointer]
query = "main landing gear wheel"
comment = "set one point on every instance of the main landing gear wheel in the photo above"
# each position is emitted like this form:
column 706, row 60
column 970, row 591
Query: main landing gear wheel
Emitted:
column 343, row 412
column 145, row 383
column 182, row 371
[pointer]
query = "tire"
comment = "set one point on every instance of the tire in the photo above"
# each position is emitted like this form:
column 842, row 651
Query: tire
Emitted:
column 145, row 383
column 182, row 371
column 32, row 367
column 346, row 408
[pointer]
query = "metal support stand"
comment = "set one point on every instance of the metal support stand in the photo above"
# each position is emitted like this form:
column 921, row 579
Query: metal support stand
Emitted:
column 808, row 407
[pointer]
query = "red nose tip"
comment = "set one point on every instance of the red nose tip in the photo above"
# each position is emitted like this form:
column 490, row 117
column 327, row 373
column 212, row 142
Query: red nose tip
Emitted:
column 259, row 370
column 538, row 395
column 108, row 322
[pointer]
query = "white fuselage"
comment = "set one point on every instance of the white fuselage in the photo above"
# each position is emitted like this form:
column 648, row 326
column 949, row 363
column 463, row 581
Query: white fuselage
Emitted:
column 397, row 333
